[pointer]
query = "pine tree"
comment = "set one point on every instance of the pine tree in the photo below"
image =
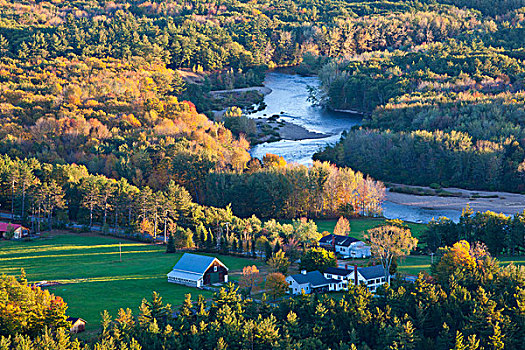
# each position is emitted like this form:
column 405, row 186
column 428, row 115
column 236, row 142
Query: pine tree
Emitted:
column 234, row 246
column 253, row 249
column 170, row 247
column 267, row 251
column 276, row 247
column 496, row 340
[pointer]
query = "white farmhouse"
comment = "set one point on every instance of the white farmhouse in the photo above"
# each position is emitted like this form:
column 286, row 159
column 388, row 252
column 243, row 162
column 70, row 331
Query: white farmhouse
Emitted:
column 348, row 247
column 371, row 276
column 312, row 282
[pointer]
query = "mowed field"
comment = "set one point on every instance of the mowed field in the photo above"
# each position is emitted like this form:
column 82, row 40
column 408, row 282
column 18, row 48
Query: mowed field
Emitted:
column 92, row 277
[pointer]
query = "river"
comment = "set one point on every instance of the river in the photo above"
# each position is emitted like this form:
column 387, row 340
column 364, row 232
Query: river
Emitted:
column 289, row 100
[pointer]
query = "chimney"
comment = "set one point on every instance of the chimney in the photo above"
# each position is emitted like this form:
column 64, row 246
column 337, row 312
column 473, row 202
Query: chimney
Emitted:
column 355, row 275
column 346, row 267
column 303, row 272
column 333, row 242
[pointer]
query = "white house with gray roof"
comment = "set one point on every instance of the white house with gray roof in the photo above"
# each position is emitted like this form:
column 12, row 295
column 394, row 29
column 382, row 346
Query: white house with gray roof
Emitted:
column 346, row 246
column 370, row 276
column 195, row 270
column 310, row 282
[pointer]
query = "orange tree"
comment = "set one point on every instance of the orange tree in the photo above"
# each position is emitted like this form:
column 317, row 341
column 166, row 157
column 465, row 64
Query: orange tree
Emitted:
column 250, row 278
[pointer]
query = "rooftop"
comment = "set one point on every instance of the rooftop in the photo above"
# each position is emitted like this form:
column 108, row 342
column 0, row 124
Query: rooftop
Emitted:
column 5, row 226
column 339, row 271
column 339, row 240
column 315, row 278
column 371, row 272
column 194, row 263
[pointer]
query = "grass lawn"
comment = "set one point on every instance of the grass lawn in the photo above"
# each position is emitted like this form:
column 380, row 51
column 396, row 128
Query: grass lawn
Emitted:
column 359, row 226
column 93, row 279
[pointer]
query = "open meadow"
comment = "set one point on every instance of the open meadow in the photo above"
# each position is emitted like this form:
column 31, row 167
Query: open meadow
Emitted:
column 92, row 278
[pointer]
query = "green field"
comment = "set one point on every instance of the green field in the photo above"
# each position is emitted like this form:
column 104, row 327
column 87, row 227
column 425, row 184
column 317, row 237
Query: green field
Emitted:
column 358, row 227
column 93, row 279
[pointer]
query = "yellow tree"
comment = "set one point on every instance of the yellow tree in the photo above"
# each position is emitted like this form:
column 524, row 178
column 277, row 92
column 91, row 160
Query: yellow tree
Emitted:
column 342, row 227
column 276, row 284
column 390, row 242
column 456, row 257
column 279, row 262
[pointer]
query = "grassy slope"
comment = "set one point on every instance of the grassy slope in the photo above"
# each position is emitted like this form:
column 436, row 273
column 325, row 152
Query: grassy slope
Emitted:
column 96, row 279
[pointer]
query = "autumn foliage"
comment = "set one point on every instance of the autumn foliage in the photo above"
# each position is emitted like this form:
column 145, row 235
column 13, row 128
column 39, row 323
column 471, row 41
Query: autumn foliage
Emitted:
column 28, row 310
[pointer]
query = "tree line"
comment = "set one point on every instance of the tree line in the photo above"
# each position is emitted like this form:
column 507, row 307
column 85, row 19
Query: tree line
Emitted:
column 44, row 196
column 290, row 191
column 500, row 233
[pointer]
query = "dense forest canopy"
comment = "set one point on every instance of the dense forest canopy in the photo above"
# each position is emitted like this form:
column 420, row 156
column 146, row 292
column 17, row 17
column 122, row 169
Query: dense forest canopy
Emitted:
column 449, row 112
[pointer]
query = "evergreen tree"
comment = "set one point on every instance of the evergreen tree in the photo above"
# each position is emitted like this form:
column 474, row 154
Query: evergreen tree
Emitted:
column 170, row 246
column 267, row 251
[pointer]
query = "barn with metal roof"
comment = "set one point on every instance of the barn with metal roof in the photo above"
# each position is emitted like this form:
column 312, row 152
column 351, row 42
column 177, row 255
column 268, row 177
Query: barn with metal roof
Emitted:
column 198, row 270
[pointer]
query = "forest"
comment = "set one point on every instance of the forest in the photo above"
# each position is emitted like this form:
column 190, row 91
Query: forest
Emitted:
column 449, row 111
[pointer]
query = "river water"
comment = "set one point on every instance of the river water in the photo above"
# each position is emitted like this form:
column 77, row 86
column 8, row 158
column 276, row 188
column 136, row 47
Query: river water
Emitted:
column 289, row 100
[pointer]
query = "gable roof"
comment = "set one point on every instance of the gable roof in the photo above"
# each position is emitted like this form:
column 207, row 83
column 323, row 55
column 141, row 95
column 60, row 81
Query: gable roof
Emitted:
column 344, row 241
column 194, row 263
column 371, row 272
column 74, row 320
column 339, row 272
column 315, row 278
column 4, row 226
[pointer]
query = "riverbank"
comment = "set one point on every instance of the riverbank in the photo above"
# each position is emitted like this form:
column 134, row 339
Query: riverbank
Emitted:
column 275, row 129
column 499, row 202
column 260, row 89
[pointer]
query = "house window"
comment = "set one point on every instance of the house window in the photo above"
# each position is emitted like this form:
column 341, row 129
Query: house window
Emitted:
column 328, row 276
column 215, row 269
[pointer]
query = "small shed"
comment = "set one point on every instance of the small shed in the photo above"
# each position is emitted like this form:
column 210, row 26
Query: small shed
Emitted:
column 18, row 230
column 78, row 324
column 195, row 270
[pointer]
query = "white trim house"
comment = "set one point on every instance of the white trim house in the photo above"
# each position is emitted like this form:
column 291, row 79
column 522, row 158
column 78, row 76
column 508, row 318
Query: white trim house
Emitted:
column 312, row 282
column 346, row 246
column 371, row 276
